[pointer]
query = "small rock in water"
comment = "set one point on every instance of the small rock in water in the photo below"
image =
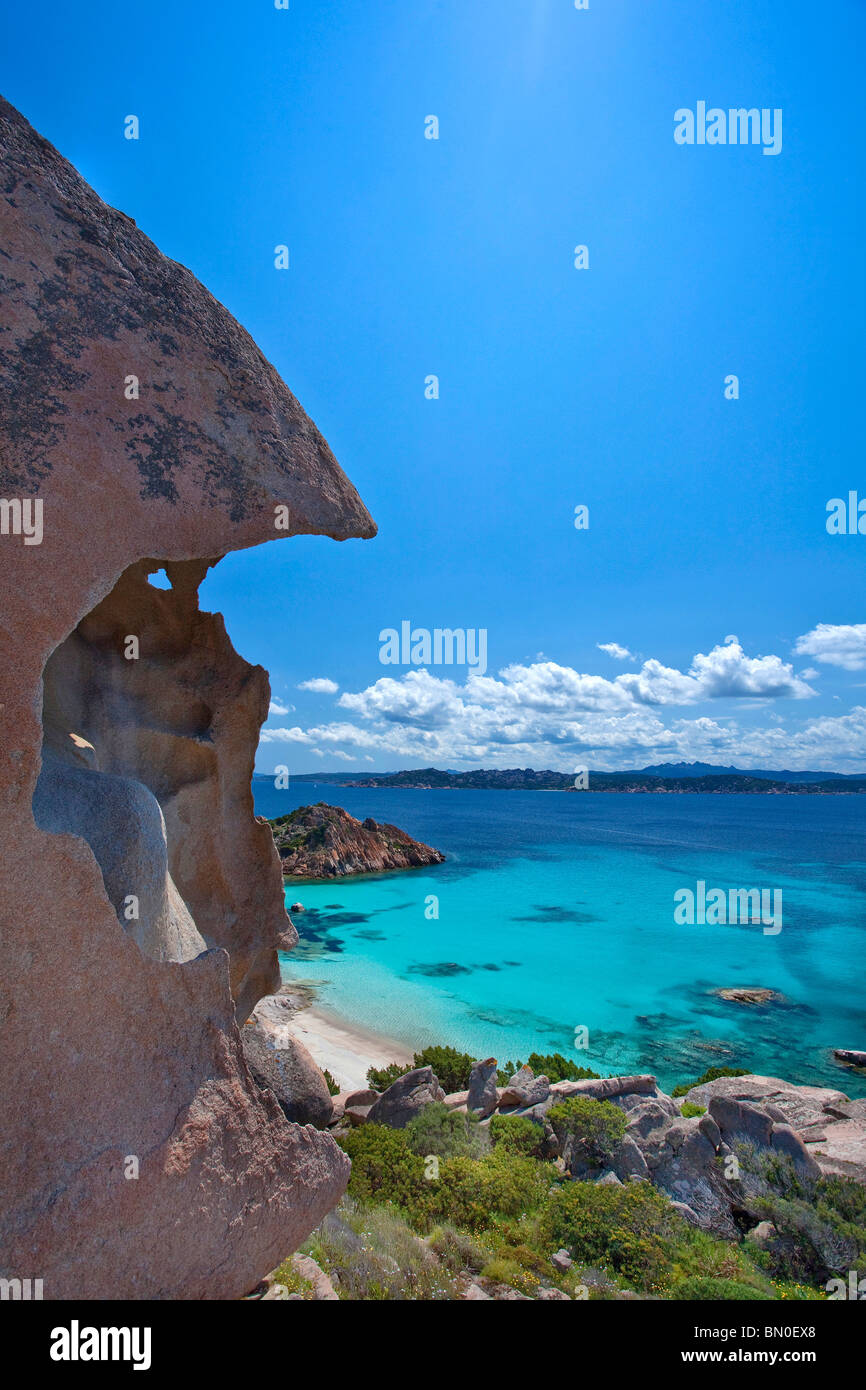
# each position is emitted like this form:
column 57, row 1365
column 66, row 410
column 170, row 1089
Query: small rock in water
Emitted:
column 748, row 995
column 849, row 1057
column 297, row 907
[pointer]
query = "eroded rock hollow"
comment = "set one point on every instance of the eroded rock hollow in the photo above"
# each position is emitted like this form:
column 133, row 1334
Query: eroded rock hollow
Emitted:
column 141, row 906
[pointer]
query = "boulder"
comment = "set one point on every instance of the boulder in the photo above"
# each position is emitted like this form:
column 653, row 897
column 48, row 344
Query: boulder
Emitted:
column 562, row 1261
column 483, row 1095
column 524, row 1089
column 832, row 1127
column 356, row 1114
column 710, row 1130
column 785, row 1140
column 126, row 768
column 627, row 1161
column 323, row 1290
column 849, row 1057
column 366, row 1097
column 739, row 1120
column 406, row 1098
column 605, row 1087
column 685, row 1167
column 290, row 1072
column 764, row 1235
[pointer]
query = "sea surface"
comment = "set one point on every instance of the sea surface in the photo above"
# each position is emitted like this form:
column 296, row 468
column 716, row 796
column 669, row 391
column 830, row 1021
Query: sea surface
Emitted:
column 556, row 913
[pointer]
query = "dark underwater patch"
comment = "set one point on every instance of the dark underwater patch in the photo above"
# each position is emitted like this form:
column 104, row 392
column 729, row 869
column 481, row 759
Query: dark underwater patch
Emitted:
column 550, row 915
column 439, row 970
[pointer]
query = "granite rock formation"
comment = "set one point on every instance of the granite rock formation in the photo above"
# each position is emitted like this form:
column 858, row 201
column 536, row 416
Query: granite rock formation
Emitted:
column 324, row 841
column 141, row 900
column 280, row 1062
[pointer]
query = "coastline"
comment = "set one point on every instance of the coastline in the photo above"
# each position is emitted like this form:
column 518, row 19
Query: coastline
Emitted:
column 346, row 1049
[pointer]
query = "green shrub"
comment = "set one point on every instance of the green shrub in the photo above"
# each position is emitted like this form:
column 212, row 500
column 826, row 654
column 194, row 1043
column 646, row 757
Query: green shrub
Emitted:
column 372, row 1254
column 446, row 1133
column 451, row 1069
column 690, row 1111
column 821, row 1225
column 384, row 1167
column 502, row 1270
column 517, row 1135
column 380, row 1078
column 704, row 1289
column 712, row 1075
column 630, row 1229
column 471, row 1193
column 457, row 1250
column 595, row 1126
column 332, row 1085
column 550, row 1064
column 699, row 1254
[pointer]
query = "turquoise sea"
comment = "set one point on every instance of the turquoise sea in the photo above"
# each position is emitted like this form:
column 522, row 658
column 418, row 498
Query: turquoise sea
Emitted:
column 556, row 912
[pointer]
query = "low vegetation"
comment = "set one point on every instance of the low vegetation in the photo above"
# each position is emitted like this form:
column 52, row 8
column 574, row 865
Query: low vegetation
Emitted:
column 449, row 1200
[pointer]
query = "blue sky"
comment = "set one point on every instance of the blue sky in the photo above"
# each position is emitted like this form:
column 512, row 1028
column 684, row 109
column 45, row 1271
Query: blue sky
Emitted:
column 558, row 387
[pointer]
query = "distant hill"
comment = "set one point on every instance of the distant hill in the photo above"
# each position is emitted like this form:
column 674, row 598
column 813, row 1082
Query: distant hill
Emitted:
column 693, row 779
column 714, row 770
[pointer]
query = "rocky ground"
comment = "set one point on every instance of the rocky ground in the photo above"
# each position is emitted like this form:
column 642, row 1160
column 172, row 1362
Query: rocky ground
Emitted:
column 714, row 1162
column 324, row 841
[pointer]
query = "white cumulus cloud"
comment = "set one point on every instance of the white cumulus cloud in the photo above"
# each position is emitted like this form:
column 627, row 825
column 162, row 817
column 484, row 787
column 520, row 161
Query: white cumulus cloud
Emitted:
column 320, row 685
column 616, row 651
column 842, row 645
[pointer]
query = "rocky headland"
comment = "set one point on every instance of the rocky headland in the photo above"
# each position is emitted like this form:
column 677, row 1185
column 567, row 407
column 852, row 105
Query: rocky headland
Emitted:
column 324, row 841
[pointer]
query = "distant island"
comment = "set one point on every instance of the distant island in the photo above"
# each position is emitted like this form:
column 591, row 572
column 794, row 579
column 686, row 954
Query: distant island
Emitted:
column 667, row 777
column 323, row 841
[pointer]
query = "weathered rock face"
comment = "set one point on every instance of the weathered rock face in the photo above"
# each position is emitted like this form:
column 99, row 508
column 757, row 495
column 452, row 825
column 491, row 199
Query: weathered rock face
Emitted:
column 279, row 1061
column 324, row 841
column 524, row 1088
column 483, row 1093
column 120, row 1029
column 832, row 1127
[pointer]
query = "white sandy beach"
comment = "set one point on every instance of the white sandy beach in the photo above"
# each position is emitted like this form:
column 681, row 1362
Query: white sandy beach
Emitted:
column 344, row 1048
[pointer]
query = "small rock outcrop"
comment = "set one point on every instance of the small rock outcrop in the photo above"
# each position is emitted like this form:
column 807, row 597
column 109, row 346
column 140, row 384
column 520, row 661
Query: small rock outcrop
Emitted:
column 143, row 897
column 406, row 1098
column 324, row 841
column 748, row 994
column 483, row 1094
column 831, row 1127
column 524, row 1089
column 851, row 1058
